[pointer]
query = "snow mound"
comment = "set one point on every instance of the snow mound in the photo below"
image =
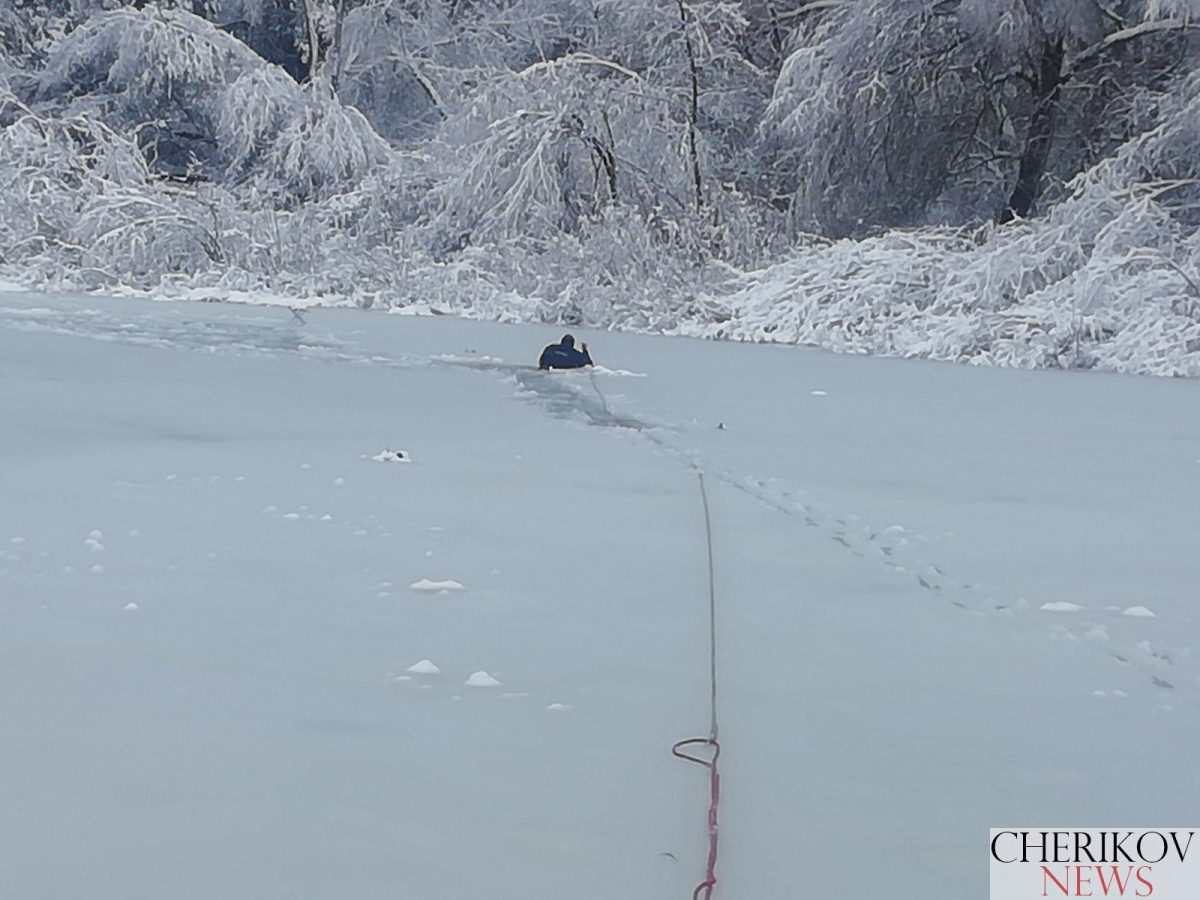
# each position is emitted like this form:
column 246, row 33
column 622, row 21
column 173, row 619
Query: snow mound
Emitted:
column 131, row 607
column 620, row 373
column 456, row 358
column 482, row 679
column 424, row 667
column 1140, row 612
column 1062, row 606
column 426, row 585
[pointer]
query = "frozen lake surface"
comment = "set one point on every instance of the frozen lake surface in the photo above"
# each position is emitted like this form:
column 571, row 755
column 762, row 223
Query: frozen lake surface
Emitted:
column 368, row 608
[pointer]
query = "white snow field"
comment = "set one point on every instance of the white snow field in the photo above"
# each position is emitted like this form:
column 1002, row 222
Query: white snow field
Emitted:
column 216, row 681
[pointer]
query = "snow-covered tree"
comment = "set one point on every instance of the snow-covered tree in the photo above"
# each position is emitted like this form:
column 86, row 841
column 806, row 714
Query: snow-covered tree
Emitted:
column 926, row 111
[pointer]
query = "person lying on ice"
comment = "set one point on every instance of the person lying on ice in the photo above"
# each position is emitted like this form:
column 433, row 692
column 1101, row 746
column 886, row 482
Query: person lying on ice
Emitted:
column 563, row 355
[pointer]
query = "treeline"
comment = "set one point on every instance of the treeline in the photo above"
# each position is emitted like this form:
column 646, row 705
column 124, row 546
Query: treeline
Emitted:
column 1009, row 181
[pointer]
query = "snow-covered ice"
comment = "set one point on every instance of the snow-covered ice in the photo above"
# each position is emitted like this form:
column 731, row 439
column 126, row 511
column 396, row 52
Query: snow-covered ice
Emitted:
column 482, row 679
column 237, row 740
column 436, row 586
column 423, row 667
column 1139, row 612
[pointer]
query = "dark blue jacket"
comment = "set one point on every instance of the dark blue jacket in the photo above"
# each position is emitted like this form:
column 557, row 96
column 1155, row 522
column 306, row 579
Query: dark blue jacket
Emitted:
column 563, row 355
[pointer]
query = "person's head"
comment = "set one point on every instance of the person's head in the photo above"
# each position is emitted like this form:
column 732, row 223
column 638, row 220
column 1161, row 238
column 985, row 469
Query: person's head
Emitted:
column 567, row 341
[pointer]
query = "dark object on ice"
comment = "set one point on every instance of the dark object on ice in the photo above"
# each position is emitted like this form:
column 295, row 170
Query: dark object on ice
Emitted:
column 392, row 456
column 563, row 355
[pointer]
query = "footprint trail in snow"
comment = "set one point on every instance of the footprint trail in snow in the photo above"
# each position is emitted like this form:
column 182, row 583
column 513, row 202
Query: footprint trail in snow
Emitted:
column 578, row 398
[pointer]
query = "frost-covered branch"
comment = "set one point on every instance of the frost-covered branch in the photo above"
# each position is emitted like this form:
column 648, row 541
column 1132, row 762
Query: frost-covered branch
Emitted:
column 815, row 6
column 1143, row 29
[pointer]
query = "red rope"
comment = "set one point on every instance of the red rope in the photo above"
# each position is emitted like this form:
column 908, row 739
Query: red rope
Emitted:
column 710, row 872
column 704, row 889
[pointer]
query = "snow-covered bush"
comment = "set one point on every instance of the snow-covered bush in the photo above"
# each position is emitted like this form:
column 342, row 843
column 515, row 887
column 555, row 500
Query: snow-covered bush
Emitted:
column 1109, row 278
column 324, row 148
